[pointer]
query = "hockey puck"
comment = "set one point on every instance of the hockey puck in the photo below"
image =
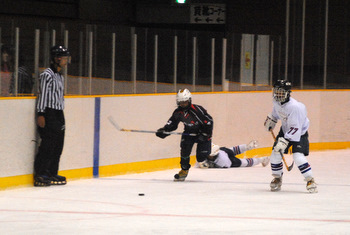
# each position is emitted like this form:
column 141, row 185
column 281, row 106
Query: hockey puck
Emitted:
column 141, row 194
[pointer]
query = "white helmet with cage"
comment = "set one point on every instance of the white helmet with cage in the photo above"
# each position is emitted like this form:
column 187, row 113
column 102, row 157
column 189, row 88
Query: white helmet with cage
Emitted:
column 183, row 95
column 214, row 150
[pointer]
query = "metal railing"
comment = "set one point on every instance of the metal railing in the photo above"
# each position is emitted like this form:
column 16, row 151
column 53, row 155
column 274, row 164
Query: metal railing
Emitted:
column 129, row 60
column 126, row 60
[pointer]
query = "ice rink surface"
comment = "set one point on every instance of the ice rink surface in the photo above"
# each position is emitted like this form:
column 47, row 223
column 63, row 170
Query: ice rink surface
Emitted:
column 210, row 201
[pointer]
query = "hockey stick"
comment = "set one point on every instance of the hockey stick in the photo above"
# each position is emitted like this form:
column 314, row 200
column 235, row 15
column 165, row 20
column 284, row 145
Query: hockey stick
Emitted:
column 111, row 120
column 289, row 168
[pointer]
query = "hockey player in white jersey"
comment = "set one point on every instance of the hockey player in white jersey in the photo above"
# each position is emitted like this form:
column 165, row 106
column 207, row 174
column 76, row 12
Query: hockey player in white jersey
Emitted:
column 293, row 133
column 226, row 157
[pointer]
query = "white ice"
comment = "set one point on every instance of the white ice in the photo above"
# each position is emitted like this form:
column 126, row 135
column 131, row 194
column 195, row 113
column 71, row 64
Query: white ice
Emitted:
column 210, row 201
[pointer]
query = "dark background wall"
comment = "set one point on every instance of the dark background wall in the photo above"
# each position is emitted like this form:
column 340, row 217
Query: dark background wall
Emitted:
column 88, row 11
column 242, row 16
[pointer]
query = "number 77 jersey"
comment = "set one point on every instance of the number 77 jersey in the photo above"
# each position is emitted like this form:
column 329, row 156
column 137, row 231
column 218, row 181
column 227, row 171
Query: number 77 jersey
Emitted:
column 294, row 118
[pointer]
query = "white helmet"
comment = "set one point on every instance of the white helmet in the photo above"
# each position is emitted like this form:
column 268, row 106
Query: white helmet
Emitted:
column 183, row 95
column 214, row 150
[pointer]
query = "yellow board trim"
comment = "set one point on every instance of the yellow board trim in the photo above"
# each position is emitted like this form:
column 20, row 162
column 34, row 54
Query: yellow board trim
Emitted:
column 141, row 167
column 27, row 180
column 148, row 166
column 329, row 146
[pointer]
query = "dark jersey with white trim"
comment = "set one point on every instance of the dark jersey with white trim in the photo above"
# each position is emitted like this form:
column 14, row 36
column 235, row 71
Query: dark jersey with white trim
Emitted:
column 51, row 91
column 195, row 119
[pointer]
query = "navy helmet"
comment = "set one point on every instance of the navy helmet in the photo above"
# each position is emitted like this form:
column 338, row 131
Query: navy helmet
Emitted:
column 58, row 51
column 282, row 90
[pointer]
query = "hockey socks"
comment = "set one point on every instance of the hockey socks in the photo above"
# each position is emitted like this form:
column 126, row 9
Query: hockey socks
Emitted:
column 248, row 162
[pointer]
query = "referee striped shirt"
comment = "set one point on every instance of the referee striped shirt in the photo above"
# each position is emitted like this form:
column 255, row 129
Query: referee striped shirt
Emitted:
column 51, row 91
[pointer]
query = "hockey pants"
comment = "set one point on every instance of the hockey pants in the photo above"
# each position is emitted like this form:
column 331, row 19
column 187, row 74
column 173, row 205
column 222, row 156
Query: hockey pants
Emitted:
column 202, row 151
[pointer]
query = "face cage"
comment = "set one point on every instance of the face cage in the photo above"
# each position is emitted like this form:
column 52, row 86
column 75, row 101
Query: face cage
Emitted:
column 179, row 101
column 280, row 95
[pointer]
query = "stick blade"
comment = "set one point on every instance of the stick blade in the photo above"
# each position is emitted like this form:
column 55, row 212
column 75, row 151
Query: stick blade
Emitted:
column 114, row 123
column 290, row 167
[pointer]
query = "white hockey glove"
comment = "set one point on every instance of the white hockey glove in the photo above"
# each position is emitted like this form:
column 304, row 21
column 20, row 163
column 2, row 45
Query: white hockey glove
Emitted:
column 252, row 145
column 270, row 122
column 281, row 145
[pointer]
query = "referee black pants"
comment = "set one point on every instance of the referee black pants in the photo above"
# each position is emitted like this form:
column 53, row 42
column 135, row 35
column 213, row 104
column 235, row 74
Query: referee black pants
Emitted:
column 52, row 139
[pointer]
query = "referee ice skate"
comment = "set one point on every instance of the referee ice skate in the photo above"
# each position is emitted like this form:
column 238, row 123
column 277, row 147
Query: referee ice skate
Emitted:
column 50, row 120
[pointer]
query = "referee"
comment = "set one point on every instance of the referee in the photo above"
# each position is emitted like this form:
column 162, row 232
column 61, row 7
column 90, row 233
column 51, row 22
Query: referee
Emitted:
column 50, row 120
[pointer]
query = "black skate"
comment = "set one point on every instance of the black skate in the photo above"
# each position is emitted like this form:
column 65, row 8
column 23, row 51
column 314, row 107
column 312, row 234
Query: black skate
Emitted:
column 181, row 176
column 58, row 180
column 42, row 181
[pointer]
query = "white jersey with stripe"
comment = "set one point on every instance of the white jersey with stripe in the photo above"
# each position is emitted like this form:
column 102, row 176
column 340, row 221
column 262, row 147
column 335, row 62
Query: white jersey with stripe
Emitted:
column 223, row 161
column 294, row 119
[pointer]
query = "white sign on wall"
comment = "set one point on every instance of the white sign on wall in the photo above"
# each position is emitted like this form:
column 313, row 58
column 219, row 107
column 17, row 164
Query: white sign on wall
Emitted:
column 262, row 75
column 247, row 59
column 206, row 13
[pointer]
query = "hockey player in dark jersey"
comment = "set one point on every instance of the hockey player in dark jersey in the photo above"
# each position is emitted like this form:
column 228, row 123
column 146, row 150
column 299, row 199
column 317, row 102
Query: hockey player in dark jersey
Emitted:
column 196, row 121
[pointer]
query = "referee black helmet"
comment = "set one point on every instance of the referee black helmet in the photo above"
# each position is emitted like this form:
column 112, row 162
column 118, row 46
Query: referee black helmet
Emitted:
column 58, row 51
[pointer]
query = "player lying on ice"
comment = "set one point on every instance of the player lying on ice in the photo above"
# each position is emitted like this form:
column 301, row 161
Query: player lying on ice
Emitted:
column 226, row 157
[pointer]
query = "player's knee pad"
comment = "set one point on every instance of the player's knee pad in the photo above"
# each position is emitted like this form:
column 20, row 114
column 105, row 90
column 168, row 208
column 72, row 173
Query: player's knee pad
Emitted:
column 299, row 159
column 275, row 157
